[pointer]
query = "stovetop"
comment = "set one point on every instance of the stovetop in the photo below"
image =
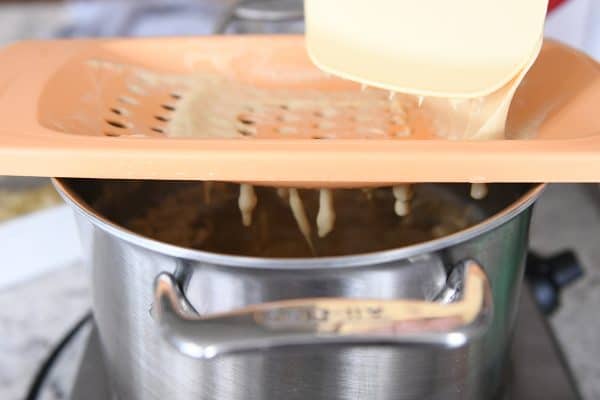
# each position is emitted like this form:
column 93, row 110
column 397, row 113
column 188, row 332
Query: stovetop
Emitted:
column 75, row 370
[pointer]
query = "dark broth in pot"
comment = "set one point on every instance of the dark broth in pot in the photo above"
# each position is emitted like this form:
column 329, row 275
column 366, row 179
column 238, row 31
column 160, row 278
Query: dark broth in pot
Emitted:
column 181, row 213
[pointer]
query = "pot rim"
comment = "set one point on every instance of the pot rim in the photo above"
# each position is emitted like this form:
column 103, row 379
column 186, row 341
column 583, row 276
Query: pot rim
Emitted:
column 363, row 259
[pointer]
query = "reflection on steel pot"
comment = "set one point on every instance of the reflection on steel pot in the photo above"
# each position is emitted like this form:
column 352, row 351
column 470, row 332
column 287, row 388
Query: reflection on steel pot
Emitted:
column 430, row 320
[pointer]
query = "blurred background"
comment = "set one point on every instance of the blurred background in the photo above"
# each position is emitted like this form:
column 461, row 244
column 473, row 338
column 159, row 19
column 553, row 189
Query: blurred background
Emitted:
column 43, row 286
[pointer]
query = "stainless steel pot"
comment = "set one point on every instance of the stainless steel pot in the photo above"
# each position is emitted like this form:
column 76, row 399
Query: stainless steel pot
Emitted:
column 430, row 321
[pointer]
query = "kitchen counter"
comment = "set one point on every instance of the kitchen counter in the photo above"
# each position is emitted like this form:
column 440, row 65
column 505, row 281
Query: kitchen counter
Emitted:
column 33, row 318
column 568, row 217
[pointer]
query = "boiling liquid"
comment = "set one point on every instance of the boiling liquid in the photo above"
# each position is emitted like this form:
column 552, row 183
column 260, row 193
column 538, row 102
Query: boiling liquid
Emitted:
column 363, row 223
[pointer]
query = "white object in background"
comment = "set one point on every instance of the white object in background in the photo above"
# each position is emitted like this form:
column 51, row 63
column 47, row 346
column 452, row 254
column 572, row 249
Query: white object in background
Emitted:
column 592, row 40
column 576, row 23
column 37, row 243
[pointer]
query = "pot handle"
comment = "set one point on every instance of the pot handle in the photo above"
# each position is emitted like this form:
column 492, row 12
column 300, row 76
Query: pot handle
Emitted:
column 464, row 313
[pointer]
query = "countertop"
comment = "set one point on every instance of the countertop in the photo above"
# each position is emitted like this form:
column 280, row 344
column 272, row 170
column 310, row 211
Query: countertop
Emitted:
column 33, row 318
column 568, row 217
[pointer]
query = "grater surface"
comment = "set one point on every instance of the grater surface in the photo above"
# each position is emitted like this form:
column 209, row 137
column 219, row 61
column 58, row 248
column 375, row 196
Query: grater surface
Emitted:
column 251, row 108
column 214, row 107
column 138, row 102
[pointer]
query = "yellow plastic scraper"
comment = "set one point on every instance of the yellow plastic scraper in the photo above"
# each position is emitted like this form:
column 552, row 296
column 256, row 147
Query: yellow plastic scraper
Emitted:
column 443, row 48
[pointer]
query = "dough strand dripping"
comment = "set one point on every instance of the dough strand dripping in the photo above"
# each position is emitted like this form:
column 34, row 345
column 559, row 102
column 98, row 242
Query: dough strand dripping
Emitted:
column 207, row 186
column 300, row 216
column 403, row 195
column 283, row 193
column 479, row 191
column 326, row 214
column 247, row 203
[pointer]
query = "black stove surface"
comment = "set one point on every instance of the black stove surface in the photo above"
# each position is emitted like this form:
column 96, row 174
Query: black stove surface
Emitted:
column 75, row 370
